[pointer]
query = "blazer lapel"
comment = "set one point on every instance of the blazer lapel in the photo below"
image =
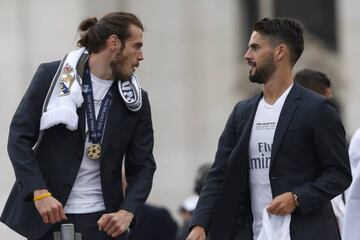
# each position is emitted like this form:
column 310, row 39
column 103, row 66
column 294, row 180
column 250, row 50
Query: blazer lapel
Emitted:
column 248, row 123
column 238, row 159
column 287, row 112
column 80, row 68
column 241, row 150
column 117, row 117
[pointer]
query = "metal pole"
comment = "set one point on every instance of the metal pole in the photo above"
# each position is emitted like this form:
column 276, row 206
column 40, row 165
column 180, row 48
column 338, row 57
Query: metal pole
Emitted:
column 67, row 232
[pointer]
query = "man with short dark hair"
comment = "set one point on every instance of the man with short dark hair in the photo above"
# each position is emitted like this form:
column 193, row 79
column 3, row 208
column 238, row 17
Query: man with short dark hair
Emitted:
column 281, row 155
column 74, row 126
column 315, row 81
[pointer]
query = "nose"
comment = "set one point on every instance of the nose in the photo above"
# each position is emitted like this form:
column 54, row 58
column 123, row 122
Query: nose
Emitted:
column 141, row 56
column 247, row 55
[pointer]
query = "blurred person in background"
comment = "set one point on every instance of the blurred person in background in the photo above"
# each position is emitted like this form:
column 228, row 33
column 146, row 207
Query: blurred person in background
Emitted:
column 282, row 153
column 76, row 123
column 188, row 206
column 316, row 81
column 153, row 222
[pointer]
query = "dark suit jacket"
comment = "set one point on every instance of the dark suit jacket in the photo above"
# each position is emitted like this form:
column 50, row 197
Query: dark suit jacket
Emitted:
column 55, row 160
column 309, row 158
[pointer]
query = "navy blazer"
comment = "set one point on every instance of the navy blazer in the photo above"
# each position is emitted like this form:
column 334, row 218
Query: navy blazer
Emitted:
column 55, row 160
column 309, row 157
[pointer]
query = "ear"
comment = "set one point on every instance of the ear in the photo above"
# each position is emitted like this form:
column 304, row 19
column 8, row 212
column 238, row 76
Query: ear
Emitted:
column 113, row 42
column 280, row 52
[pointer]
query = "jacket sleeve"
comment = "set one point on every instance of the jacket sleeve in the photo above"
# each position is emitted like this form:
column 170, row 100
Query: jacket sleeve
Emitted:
column 214, row 182
column 24, row 133
column 139, row 161
column 333, row 159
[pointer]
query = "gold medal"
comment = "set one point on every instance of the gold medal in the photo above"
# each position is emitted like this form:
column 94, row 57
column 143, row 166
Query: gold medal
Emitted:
column 94, row 151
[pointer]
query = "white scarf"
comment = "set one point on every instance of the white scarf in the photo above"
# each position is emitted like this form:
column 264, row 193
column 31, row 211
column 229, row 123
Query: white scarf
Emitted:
column 351, row 230
column 275, row 227
column 351, row 227
column 65, row 95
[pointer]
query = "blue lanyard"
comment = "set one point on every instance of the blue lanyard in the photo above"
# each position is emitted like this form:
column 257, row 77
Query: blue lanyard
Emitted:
column 96, row 125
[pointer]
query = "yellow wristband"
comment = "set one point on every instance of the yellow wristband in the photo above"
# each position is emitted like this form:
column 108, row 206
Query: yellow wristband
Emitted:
column 42, row 196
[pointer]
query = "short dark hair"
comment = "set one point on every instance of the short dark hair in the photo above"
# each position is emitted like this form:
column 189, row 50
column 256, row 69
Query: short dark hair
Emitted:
column 313, row 80
column 94, row 33
column 284, row 30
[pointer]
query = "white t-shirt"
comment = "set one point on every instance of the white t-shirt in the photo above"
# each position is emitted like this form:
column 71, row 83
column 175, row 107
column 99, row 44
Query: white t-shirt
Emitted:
column 86, row 193
column 260, row 145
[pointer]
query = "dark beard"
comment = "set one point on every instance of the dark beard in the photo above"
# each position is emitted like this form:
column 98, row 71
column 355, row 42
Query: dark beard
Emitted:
column 263, row 73
column 258, row 77
column 118, row 75
column 120, row 59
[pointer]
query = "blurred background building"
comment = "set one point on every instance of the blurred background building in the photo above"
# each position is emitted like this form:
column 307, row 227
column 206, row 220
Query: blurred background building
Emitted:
column 193, row 69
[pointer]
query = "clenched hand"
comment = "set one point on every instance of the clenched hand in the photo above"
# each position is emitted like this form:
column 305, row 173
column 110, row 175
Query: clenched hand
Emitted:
column 50, row 209
column 115, row 223
column 282, row 205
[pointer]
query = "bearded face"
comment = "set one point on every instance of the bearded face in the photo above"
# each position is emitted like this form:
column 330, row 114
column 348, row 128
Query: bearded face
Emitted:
column 127, row 58
column 119, row 65
column 260, row 58
column 260, row 72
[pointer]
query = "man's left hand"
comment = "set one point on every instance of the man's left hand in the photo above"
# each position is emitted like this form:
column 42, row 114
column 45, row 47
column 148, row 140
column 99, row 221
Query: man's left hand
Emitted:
column 282, row 205
column 115, row 224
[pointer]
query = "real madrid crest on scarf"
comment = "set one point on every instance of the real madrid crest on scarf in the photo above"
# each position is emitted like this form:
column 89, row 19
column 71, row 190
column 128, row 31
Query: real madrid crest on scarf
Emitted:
column 66, row 80
column 96, row 125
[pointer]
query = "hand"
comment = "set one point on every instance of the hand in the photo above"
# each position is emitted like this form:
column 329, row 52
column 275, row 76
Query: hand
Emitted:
column 282, row 205
column 197, row 233
column 116, row 223
column 50, row 209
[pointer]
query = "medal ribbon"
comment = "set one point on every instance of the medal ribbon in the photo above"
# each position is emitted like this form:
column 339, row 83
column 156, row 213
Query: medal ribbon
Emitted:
column 96, row 125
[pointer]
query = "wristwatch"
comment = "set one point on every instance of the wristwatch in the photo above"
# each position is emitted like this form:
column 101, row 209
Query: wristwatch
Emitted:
column 295, row 197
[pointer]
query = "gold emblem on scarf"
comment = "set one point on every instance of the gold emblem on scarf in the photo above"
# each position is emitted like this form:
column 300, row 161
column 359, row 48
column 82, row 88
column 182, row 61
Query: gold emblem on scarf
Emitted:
column 94, row 151
column 66, row 80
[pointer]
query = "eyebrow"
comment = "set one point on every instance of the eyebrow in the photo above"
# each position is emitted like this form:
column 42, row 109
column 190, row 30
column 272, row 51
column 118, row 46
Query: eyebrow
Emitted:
column 253, row 45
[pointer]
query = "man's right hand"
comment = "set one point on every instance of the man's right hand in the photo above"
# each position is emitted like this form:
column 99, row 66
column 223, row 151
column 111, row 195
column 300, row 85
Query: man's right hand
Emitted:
column 50, row 209
column 197, row 233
